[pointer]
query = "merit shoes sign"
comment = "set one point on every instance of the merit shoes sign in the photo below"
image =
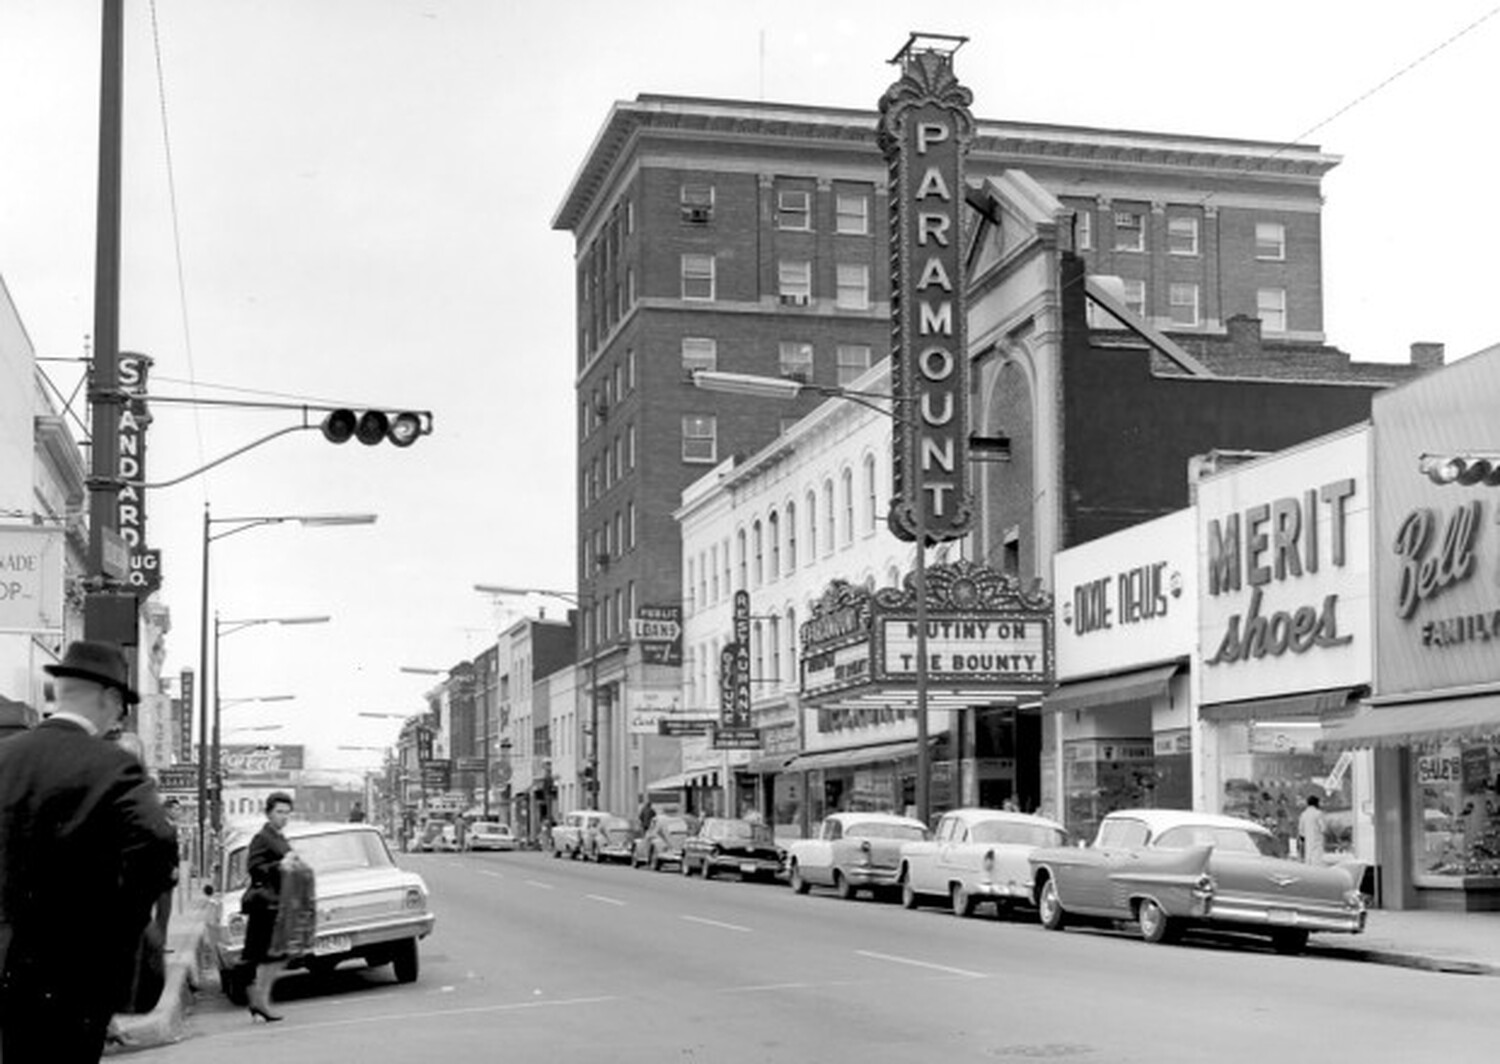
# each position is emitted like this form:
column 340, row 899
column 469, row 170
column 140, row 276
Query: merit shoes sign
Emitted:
column 924, row 132
column 1284, row 588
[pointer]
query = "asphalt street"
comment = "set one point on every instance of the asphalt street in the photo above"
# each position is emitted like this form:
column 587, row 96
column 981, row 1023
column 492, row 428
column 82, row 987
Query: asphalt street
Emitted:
column 537, row 959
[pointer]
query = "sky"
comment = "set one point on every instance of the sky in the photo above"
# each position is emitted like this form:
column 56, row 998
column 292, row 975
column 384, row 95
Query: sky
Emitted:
column 363, row 198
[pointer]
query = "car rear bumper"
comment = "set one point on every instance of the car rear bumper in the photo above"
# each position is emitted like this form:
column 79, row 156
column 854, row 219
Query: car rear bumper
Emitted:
column 329, row 945
column 1299, row 917
column 748, row 866
column 995, row 889
column 870, row 875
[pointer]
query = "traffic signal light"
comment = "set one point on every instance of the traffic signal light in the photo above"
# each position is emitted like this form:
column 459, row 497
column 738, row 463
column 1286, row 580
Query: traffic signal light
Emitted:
column 1465, row 469
column 372, row 426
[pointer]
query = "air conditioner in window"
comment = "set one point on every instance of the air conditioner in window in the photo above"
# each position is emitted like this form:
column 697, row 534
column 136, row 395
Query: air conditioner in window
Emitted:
column 795, row 299
column 697, row 215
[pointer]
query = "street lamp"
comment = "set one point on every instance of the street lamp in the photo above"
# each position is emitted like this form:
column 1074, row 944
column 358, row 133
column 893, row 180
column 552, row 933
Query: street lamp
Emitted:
column 233, row 525
column 786, row 389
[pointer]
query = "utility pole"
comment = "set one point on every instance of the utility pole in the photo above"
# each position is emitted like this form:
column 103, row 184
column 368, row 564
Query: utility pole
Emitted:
column 107, row 615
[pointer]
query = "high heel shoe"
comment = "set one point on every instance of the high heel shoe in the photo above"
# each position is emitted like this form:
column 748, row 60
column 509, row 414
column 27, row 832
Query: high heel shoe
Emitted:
column 264, row 1014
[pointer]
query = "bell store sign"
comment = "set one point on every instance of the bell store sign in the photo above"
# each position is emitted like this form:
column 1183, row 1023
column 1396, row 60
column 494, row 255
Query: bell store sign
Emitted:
column 1285, row 581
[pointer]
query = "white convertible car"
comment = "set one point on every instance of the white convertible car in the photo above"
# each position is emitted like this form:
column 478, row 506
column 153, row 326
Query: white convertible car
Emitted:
column 976, row 855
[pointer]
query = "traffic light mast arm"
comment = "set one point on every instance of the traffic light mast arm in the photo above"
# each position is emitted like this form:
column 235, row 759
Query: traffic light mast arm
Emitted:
column 218, row 461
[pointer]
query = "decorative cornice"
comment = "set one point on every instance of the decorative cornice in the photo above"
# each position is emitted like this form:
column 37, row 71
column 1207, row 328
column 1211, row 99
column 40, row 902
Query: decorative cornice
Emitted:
column 962, row 585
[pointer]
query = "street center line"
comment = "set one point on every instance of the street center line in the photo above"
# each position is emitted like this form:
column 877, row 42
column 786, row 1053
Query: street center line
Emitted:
column 919, row 964
column 487, row 872
column 716, row 923
column 539, row 883
column 606, row 901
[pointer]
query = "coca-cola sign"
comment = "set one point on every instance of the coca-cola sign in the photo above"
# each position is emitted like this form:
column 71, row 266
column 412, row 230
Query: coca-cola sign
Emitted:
column 260, row 760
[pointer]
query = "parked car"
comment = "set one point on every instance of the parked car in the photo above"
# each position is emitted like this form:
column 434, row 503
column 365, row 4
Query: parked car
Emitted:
column 662, row 844
column 447, row 839
column 489, row 835
column 613, row 839
column 976, row 856
column 852, row 852
column 573, row 834
column 1169, row 870
column 367, row 907
column 428, row 838
column 722, row 844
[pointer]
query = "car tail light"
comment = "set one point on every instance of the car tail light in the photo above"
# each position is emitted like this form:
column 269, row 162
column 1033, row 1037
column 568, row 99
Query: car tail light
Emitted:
column 1353, row 899
column 414, row 899
column 1205, row 885
column 989, row 862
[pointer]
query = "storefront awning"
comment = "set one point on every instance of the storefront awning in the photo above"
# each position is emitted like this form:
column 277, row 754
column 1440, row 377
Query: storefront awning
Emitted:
column 1143, row 685
column 703, row 777
column 765, row 766
column 858, row 755
column 1292, row 707
column 1417, row 724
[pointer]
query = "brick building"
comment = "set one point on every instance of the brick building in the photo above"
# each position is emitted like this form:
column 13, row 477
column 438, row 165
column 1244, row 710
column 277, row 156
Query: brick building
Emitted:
column 752, row 237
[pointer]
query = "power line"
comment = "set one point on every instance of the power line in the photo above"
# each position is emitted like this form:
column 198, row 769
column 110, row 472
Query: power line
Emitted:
column 311, row 400
column 166, row 139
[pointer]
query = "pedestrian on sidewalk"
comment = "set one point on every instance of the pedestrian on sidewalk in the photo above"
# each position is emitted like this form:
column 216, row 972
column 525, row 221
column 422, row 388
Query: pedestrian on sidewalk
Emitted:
column 1311, row 826
column 85, row 848
column 261, row 903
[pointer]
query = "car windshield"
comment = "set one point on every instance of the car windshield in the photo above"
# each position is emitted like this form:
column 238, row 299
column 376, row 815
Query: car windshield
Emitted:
column 487, row 829
column 674, row 828
column 874, row 829
column 740, row 829
column 1225, row 839
column 1016, row 832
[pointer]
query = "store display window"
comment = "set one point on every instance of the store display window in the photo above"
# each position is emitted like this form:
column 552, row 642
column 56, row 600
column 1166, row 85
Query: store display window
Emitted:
column 1270, row 768
column 1457, row 788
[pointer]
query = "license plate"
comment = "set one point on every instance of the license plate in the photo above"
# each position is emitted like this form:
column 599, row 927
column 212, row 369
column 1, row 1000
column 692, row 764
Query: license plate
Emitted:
column 748, row 868
column 1282, row 916
column 333, row 944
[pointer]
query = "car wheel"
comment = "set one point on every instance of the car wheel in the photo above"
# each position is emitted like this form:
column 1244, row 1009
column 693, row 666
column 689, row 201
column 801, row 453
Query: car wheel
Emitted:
column 909, row 897
column 406, row 961
column 1290, row 941
column 1156, row 926
column 798, row 884
column 962, row 900
column 656, row 862
column 235, row 982
column 1049, row 907
column 843, row 886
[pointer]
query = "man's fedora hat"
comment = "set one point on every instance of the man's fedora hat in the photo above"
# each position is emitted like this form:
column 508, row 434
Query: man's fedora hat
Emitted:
column 104, row 663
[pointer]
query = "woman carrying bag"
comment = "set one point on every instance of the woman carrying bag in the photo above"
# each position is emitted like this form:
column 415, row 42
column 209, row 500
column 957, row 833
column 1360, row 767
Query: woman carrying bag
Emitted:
column 269, row 862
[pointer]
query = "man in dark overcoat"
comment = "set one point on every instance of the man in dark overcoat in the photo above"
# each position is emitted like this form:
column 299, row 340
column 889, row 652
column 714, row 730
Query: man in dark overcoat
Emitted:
column 85, row 849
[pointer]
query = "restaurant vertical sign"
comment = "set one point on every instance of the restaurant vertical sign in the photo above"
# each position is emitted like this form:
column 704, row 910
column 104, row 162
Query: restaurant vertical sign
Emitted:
column 145, row 564
column 925, row 130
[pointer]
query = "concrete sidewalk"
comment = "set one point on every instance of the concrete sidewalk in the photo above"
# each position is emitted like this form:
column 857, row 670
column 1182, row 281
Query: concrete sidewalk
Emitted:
column 186, row 961
column 1464, row 943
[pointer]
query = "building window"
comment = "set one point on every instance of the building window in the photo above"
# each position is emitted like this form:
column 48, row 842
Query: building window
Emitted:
column 725, row 553
column 812, row 525
column 853, row 287
column 852, row 210
column 699, row 353
column 630, row 369
column 757, row 538
column 773, row 532
column 854, row 360
column 870, row 504
column 794, row 282
column 630, row 524
column 775, row 638
column 796, row 360
column 847, row 487
column 791, row 537
column 794, row 209
column 711, row 590
column 1270, row 306
column 742, row 556
column 791, row 641
column 698, row 277
column 1182, row 235
column 1135, row 296
column 700, row 438
column 1130, row 231
column 697, row 203
column 629, row 216
column 1083, row 229
column 630, row 446
column 828, row 516
column 630, row 287
column 758, row 642
column 1270, row 241
column 1183, row 300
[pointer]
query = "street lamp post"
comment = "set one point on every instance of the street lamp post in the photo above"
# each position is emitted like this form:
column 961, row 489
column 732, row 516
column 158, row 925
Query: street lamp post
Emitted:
column 785, row 388
column 221, row 629
column 233, row 526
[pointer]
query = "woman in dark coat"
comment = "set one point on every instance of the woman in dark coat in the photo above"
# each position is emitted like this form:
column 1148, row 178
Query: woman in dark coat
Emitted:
column 262, row 903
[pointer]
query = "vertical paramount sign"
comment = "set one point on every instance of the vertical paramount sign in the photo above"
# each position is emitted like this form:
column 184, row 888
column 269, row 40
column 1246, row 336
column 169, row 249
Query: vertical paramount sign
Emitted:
column 925, row 131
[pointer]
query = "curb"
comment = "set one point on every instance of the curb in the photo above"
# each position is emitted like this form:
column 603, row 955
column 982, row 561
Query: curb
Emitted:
column 164, row 1024
column 1407, row 959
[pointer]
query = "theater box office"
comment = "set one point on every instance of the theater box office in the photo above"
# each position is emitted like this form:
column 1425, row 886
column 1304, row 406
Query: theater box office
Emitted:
column 1117, row 731
column 1285, row 640
column 1433, row 722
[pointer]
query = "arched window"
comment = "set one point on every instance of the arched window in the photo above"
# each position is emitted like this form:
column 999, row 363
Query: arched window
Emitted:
column 791, row 537
column 812, row 525
column 846, row 485
column 773, row 531
column 741, row 556
column 870, row 504
column 757, row 541
column 828, row 516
